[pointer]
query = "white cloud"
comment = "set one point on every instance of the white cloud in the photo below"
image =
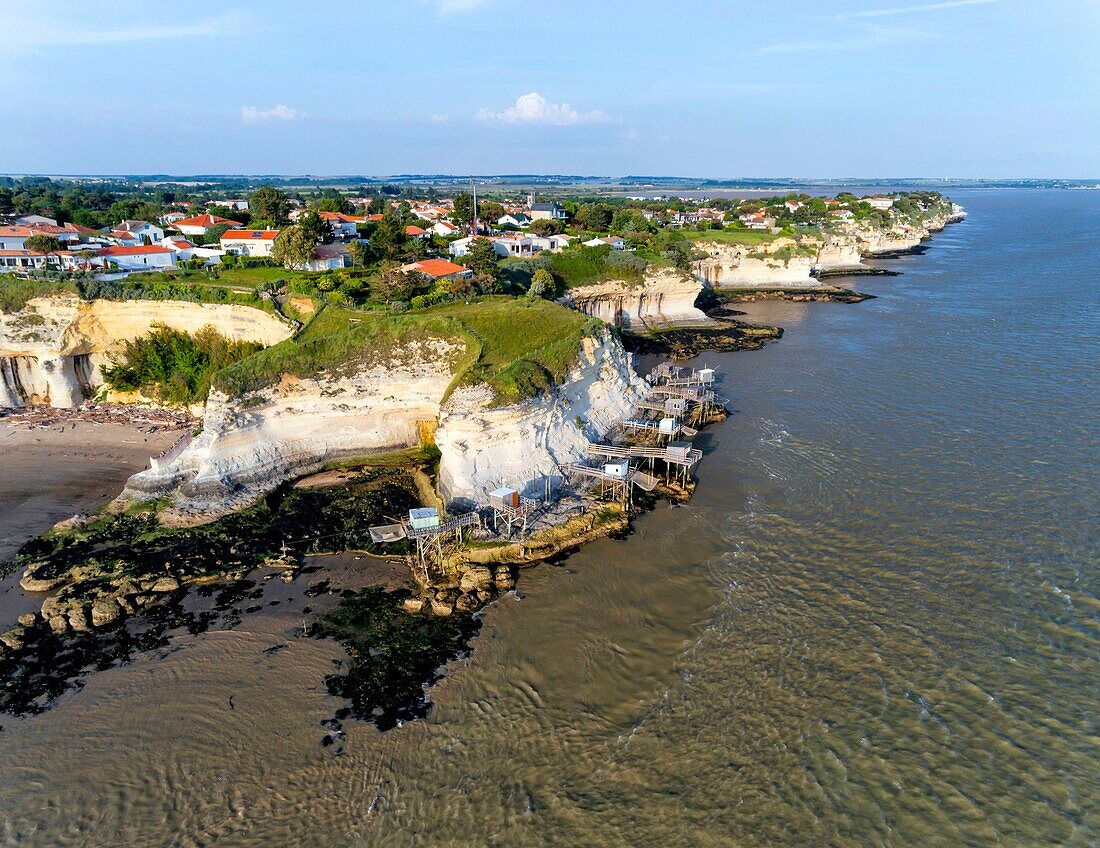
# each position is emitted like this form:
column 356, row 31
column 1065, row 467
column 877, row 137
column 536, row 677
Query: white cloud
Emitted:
column 906, row 10
column 281, row 112
column 450, row 7
column 43, row 30
column 533, row 108
column 440, row 119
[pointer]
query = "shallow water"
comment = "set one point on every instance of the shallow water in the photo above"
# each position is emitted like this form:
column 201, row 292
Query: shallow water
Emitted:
column 876, row 623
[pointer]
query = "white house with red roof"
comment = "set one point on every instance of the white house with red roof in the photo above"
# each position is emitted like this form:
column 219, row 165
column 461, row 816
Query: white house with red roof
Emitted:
column 249, row 242
column 198, row 225
column 342, row 226
column 437, row 269
column 445, row 228
column 141, row 230
column 145, row 257
column 12, row 238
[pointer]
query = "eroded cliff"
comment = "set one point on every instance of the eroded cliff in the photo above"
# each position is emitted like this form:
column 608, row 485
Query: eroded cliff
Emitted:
column 665, row 298
column 51, row 351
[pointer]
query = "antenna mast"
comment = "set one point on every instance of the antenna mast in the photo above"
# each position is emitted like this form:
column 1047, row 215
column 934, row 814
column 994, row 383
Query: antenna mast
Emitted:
column 473, row 188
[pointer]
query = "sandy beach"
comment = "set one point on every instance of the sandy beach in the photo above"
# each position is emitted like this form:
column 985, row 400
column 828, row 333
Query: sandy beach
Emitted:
column 49, row 472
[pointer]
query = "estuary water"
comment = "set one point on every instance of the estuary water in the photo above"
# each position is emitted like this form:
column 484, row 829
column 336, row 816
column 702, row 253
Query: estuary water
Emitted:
column 877, row 622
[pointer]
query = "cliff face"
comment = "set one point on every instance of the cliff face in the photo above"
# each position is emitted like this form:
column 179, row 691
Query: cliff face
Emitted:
column 787, row 263
column 665, row 298
column 780, row 264
column 484, row 448
column 51, row 351
column 250, row 445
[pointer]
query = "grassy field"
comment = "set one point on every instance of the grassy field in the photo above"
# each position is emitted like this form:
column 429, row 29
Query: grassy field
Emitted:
column 526, row 345
column 516, row 347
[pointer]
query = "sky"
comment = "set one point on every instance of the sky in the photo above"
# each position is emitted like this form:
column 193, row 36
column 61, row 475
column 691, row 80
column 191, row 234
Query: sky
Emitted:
column 697, row 88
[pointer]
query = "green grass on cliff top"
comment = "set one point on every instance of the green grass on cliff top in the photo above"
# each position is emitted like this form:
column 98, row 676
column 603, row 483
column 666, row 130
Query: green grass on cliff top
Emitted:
column 517, row 347
column 748, row 237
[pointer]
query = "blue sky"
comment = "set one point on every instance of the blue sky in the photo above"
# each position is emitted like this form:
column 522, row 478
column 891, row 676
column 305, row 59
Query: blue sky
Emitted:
column 821, row 88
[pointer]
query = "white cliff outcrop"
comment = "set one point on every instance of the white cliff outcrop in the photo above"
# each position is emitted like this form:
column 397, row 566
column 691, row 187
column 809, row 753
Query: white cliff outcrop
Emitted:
column 794, row 263
column 665, row 298
column 485, row 447
column 250, row 445
column 51, row 351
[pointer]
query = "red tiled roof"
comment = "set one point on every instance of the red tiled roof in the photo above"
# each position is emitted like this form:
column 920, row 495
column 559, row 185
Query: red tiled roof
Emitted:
column 413, row 230
column 20, row 253
column 206, row 220
column 438, row 267
column 16, row 232
column 377, row 217
column 133, row 251
column 250, row 235
column 340, row 216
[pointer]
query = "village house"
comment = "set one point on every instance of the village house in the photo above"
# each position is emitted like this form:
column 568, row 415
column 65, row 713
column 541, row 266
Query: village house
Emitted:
column 514, row 218
column 880, row 201
column 139, row 258
column 545, row 211
column 141, row 230
column 249, row 242
column 438, row 269
column 681, row 219
column 614, row 242
column 342, row 226
column 842, row 214
column 328, row 257
column 444, row 228
column 235, row 203
column 12, row 238
column 198, row 225
column 758, row 220
column 34, row 220
column 792, row 206
column 554, row 244
column 413, row 231
column 180, row 246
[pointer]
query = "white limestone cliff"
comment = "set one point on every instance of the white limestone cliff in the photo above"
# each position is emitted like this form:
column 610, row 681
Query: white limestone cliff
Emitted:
column 485, row 447
column 51, row 351
column 665, row 298
column 251, row 444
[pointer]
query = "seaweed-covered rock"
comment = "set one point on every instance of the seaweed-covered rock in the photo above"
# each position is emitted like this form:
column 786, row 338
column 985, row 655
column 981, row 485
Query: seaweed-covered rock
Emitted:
column 78, row 619
column 15, row 638
column 105, row 611
column 165, row 584
column 504, row 578
column 475, row 577
column 28, row 619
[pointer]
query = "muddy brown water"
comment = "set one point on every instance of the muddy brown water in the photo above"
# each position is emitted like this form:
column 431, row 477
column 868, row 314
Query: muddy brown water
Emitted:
column 875, row 624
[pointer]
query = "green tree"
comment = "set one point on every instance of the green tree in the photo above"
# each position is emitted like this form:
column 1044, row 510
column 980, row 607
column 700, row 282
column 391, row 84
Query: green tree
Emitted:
column 357, row 253
column 314, row 225
column 489, row 211
column 377, row 205
column 294, row 248
column 41, row 243
column 547, row 227
column 332, row 201
column 594, row 216
column 464, row 209
column 388, row 238
column 542, row 284
column 481, row 258
column 269, row 204
column 214, row 234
